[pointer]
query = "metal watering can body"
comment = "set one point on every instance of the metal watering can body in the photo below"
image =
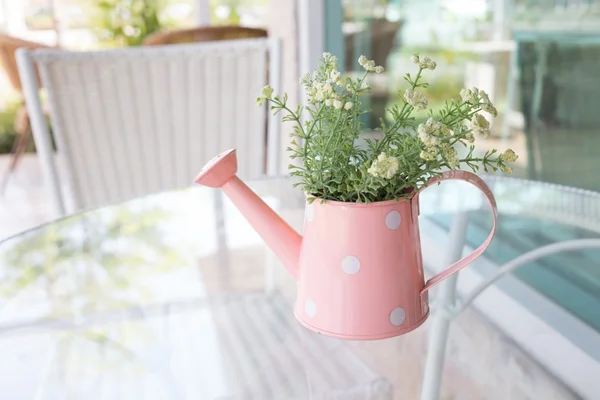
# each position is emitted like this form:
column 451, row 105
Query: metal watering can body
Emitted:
column 359, row 267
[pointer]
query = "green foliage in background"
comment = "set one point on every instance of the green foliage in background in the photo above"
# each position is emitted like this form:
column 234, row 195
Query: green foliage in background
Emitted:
column 7, row 127
column 127, row 22
column 229, row 12
column 231, row 15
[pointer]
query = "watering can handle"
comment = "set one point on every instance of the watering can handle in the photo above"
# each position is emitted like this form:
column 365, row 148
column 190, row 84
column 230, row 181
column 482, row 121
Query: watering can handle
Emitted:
column 463, row 262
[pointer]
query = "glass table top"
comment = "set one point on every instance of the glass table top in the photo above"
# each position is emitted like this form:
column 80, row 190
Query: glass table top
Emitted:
column 174, row 296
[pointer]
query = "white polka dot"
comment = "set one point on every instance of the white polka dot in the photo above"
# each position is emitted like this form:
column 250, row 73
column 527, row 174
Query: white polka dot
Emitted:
column 350, row 265
column 310, row 213
column 310, row 307
column 392, row 220
column 397, row 316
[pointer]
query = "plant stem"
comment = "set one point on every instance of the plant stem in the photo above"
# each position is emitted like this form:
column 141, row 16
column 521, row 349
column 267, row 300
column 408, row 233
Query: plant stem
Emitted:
column 296, row 117
column 406, row 108
column 328, row 142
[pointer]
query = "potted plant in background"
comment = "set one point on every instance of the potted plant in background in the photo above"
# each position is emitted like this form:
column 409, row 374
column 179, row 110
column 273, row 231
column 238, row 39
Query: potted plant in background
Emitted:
column 359, row 264
column 119, row 23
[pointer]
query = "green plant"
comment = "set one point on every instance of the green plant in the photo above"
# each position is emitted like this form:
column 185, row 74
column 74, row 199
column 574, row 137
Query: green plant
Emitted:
column 8, row 134
column 7, row 141
column 229, row 12
column 127, row 22
column 408, row 154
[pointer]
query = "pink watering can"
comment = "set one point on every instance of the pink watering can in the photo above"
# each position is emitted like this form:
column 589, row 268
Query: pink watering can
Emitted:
column 358, row 266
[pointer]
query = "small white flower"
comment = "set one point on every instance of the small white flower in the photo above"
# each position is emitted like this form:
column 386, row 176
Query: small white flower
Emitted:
column 486, row 104
column 506, row 169
column 431, row 131
column 490, row 109
column 453, row 162
column 319, row 91
column 445, row 131
column 427, row 127
column 334, row 76
column 415, row 59
column 328, row 102
column 305, row 80
column 327, row 88
column 451, row 156
column 415, row 99
column 337, row 104
column 484, row 97
column 509, row 156
column 467, row 95
column 362, row 61
column 427, row 155
column 479, row 126
column 384, row 167
column 427, row 63
column 369, row 65
column 428, row 140
column 267, row 92
column 326, row 55
column 348, row 105
column 427, row 132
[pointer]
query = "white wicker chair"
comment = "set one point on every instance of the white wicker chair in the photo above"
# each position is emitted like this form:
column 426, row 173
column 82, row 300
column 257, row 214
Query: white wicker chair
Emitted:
column 129, row 122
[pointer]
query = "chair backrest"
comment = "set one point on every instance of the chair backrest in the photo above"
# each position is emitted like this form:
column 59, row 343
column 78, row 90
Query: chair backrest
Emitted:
column 8, row 46
column 203, row 34
column 129, row 122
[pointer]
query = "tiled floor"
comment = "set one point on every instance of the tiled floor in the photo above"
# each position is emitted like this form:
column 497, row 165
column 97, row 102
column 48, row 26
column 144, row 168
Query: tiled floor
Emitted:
column 25, row 203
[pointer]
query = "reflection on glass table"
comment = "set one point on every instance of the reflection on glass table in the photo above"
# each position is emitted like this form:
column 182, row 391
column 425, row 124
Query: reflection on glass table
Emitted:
column 162, row 297
column 174, row 296
column 538, row 216
column 548, row 237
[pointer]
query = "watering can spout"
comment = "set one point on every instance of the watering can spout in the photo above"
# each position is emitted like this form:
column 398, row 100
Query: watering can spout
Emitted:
column 277, row 234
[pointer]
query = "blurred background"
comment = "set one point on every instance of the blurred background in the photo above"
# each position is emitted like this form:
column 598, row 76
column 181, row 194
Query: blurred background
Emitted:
column 536, row 58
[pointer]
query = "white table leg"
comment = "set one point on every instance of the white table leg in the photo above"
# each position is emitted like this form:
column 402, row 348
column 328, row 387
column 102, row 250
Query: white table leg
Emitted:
column 441, row 318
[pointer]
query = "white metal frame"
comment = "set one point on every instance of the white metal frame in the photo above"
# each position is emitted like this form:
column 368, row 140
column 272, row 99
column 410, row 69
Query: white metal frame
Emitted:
column 28, row 60
column 447, row 306
column 39, row 128
column 276, row 81
column 440, row 324
column 202, row 12
column 311, row 37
